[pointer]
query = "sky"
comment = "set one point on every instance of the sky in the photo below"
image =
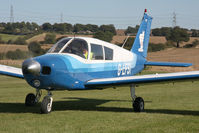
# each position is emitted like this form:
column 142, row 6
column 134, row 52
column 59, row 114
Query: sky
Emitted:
column 121, row 13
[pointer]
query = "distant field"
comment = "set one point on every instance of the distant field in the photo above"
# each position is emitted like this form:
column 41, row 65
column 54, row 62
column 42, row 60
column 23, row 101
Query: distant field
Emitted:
column 6, row 37
column 10, row 47
column 169, row 109
column 187, row 55
column 41, row 37
column 153, row 39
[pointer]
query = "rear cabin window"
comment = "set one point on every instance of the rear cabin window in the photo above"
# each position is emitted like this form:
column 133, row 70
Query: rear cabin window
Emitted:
column 108, row 53
column 78, row 47
column 96, row 52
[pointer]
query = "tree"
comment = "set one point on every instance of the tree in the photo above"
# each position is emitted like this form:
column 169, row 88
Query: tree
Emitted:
column 20, row 41
column 69, row 27
column 108, row 28
column 195, row 33
column 50, row 38
column 132, row 30
column 156, row 32
column 1, row 40
column 17, row 54
column 59, row 27
column 106, row 36
column 164, row 31
column 47, row 27
column 92, row 28
column 178, row 35
column 35, row 48
column 79, row 27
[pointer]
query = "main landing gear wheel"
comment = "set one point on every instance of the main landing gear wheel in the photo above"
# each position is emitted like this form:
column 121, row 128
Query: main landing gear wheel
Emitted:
column 46, row 104
column 30, row 99
column 138, row 104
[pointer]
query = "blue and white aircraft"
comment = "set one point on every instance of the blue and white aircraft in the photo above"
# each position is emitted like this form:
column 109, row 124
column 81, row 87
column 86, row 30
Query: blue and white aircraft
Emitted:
column 80, row 63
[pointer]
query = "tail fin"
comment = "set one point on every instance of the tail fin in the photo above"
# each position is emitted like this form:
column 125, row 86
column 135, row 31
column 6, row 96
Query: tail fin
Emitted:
column 140, row 45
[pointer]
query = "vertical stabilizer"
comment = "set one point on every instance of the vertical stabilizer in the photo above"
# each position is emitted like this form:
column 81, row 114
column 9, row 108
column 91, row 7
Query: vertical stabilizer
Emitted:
column 140, row 45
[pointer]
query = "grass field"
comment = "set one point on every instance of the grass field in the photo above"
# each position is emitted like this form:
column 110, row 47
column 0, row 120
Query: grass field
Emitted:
column 6, row 37
column 169, row 108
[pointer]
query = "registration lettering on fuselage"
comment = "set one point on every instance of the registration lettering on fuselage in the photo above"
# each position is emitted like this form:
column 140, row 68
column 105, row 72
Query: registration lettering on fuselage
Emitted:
column 124, row 69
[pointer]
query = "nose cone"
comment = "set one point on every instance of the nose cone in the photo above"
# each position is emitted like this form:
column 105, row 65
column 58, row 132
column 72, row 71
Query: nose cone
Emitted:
column 31, row 66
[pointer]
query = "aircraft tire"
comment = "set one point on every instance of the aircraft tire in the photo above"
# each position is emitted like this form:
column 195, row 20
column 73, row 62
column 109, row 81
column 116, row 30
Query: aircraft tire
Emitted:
column 138, row 104
column 30, row 99
column 46, row 105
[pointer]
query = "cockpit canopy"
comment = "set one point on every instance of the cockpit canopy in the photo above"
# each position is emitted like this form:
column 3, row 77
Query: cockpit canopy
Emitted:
column 80, row 47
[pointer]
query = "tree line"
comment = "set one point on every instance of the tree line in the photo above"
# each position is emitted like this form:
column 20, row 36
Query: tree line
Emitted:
column 103, row 32
column 24, row 28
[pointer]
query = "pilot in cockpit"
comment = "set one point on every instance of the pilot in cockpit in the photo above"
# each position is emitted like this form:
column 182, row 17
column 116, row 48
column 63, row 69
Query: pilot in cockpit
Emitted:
column 85, row 53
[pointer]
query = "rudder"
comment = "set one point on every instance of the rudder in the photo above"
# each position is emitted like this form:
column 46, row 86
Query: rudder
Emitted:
column 140, row 45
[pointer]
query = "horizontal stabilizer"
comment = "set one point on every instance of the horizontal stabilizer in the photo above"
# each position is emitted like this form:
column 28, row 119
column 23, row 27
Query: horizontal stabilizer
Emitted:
column 171, row 64
column 11, row 71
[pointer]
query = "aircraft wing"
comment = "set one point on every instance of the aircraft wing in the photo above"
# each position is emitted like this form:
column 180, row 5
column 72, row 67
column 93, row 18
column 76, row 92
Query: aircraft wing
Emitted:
column 11, row 71
column 143, row 79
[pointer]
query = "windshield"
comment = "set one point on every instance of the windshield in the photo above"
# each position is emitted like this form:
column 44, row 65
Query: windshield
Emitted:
column 78, row 47
column 59, row 45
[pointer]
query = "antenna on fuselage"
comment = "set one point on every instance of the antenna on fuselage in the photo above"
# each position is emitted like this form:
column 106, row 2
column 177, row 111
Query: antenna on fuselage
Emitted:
column 125, row 40
column 74, row 35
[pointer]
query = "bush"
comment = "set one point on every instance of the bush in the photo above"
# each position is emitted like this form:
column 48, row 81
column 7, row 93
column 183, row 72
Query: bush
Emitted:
column 105, row 36
column 170, row 44
column 1, row 40
column 35, row 48
column 1, row 56
column 156, row 47
column 20, row 41
column 10, row 42
column 17, row 54
column 193, row 44
column 50, row 38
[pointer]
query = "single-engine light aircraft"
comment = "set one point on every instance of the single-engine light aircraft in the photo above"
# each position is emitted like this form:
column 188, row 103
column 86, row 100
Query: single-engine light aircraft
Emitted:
column 81, row 63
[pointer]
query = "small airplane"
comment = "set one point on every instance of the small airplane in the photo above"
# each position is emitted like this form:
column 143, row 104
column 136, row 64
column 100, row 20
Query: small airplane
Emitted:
column 81, row 63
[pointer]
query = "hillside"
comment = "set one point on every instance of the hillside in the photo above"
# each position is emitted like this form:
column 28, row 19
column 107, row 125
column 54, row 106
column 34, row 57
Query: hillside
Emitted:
column 186, row 55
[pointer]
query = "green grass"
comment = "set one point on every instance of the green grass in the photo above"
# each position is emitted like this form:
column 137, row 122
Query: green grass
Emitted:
column 169, row 108
column 6, row 37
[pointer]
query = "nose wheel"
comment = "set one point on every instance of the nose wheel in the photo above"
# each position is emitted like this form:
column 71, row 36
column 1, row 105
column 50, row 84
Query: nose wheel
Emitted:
column 46, row 104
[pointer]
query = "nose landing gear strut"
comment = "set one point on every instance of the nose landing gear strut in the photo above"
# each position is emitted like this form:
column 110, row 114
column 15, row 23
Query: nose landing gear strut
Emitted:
column 46, row 104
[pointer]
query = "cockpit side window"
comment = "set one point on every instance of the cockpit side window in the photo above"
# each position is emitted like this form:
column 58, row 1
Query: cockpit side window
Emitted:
column 59, row 45
column 97, row 52
column 78, row 47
